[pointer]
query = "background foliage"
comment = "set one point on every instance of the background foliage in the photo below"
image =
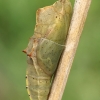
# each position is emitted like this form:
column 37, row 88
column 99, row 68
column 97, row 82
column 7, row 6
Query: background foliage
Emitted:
column 17, row 20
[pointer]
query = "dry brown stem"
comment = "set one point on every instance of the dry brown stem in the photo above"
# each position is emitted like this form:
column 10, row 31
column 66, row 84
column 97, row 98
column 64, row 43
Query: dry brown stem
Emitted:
column 77, row 23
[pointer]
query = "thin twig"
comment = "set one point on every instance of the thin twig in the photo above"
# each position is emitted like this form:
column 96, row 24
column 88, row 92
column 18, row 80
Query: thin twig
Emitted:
column 77, row 23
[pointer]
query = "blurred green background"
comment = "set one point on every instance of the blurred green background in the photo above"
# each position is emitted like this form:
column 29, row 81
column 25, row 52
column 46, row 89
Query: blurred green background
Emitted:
column 17, row 20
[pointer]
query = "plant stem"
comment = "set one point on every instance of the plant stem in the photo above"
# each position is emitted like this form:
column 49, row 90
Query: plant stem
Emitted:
column 77, row 23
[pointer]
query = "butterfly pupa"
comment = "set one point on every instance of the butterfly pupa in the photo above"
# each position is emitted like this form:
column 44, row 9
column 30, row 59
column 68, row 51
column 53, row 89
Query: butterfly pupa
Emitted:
column 45, row 47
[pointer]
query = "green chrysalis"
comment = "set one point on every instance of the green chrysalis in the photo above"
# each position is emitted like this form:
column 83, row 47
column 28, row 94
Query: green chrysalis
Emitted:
column 45, row 47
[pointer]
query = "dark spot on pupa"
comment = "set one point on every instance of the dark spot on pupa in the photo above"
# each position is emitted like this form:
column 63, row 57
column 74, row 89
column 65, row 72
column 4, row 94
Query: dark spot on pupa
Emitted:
column 25, row 76
column 33, row 78
column 29, row 95
column 26, row 87
column 56, row 16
